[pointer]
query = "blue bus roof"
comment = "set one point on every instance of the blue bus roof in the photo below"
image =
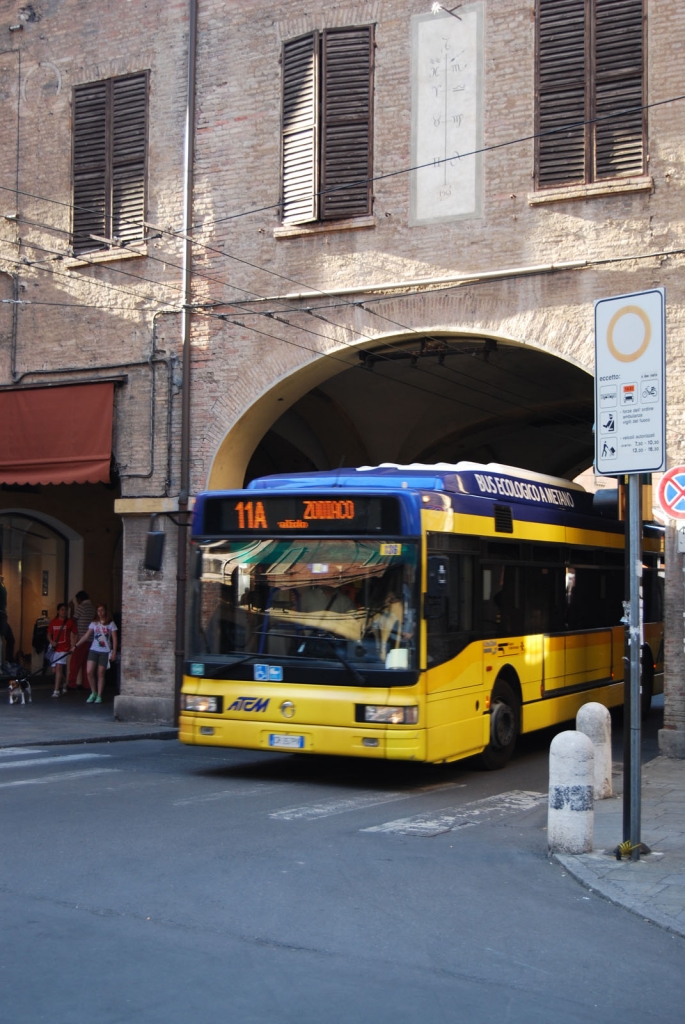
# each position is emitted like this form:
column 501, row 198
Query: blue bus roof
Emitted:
column 467, row 487
column 467, row 478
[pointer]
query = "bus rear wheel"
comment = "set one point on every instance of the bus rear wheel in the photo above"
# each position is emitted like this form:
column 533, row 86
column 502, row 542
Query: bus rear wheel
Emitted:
column 505, row 720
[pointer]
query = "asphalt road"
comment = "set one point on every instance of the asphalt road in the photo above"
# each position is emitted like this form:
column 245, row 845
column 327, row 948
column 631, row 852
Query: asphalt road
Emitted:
column 147, row 882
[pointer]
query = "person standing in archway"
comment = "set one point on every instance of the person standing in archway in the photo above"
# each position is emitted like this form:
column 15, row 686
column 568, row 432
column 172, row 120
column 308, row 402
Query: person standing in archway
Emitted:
column 102, row 633
column 61, row 636
column 84, row 614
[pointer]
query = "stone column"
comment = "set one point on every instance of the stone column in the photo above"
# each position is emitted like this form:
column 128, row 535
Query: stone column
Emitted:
column 148, row 626
column 672, row 736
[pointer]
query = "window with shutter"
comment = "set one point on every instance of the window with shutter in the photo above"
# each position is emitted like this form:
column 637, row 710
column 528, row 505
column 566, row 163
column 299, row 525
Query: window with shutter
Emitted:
column 109, row 162
column 327, row 125
column 590, row 65
column 300, row 120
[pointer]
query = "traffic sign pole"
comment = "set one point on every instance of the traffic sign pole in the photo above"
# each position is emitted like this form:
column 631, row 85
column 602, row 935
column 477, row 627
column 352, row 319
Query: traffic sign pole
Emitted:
column 630, row 439
column 627, row 702
column 634, row 556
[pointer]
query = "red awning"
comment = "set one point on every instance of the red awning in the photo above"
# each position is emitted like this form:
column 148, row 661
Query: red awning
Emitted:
column 56, row 435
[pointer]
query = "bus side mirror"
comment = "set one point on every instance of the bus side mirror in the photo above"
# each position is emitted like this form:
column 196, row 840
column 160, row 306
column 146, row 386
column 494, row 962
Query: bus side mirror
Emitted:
column 438, row 576
column 438, row 585
column 154, row 548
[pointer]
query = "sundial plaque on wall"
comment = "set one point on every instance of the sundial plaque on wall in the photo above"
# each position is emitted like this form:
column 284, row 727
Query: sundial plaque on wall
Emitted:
column 447, row 68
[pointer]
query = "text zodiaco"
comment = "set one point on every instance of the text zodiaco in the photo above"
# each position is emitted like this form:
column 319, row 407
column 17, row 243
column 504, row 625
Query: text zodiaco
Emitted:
column 503, row 487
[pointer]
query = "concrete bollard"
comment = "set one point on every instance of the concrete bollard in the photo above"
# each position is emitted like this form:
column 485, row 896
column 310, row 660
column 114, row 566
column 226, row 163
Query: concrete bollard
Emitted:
column 570, row 816
column 594, row 720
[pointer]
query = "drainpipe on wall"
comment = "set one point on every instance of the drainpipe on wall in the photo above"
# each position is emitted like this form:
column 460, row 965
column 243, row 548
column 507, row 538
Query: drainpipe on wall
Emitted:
column 183, row 498
column 14, row 278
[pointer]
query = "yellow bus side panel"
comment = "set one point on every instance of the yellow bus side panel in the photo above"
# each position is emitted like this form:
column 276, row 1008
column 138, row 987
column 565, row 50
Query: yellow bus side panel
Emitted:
column 465, row 672
column 588, row 657
column 523, row 654
column 455, row 727
column 484, row 526
column 553, row 710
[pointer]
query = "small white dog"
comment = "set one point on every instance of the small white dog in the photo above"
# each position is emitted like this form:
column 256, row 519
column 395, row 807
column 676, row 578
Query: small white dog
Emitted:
column 20, row 690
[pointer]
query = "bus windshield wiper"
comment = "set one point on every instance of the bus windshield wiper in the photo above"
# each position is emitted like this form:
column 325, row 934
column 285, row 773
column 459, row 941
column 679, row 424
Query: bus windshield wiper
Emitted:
column 231, row 664
column 332, row 639
column 243, row 661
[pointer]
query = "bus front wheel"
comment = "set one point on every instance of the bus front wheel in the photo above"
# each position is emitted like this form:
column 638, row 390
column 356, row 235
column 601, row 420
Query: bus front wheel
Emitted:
column 505, row 718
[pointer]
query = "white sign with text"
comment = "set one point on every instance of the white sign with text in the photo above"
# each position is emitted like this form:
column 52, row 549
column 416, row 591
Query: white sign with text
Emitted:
column 630, row 400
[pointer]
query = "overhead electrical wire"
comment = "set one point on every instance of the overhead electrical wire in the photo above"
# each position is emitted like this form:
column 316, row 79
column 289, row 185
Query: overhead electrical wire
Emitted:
column 474, row 152
column 270, row 314
column 406, row 170
column 105, row 284
column 322, row 292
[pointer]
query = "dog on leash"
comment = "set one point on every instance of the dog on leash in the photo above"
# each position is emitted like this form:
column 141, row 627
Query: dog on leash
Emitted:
column 20, row 688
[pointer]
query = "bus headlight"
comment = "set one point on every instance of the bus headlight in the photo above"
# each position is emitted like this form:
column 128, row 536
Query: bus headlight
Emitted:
column 381, row 713
column 196, row 702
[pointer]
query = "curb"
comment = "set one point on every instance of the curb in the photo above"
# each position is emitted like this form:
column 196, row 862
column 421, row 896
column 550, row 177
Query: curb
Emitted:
column 614, row 895
column 160, row 734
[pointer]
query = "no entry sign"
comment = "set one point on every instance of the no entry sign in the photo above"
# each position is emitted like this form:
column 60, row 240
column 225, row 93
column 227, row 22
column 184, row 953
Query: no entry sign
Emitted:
column 672, row 492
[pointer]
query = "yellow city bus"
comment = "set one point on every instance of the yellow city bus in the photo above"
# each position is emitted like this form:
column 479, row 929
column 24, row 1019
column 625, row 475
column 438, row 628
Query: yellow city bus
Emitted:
column 426, row 613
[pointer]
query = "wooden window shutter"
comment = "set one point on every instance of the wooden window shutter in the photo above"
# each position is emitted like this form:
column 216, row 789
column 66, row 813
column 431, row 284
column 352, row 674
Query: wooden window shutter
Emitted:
column 619, row 33
column 562, row 98
column 299, row 144
column 109, row 161
column 346, row 142
column 90, row 170
column 129, row 149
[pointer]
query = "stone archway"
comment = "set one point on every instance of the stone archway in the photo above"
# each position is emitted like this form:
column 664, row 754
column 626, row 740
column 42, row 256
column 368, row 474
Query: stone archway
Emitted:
column 438, row 396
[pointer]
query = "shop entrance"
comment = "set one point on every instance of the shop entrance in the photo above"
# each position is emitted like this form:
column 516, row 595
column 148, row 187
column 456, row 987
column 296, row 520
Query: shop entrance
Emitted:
column 34, row 561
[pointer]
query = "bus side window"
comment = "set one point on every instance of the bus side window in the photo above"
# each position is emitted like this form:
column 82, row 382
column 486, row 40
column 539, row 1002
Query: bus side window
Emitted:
column 544, row 599
column 492, row 595
column 652, row 591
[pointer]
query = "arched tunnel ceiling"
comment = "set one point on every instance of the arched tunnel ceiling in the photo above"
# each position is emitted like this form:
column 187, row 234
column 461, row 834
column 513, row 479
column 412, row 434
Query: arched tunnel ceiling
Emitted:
column 439, row 400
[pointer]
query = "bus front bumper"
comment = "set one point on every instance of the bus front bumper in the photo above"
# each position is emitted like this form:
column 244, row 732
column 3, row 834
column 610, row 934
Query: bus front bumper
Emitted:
column 394, row 744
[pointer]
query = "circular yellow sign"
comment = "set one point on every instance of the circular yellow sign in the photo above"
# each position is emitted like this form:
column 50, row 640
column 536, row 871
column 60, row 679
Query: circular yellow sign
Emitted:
column 632, row 356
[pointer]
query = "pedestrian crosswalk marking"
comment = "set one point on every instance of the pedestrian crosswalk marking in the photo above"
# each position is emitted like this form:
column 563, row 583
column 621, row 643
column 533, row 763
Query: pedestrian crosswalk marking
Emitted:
column 327, row 808
column 223, row 793
column 14, row 751
column 59, row 777
column 474, row 813
column 60, row 759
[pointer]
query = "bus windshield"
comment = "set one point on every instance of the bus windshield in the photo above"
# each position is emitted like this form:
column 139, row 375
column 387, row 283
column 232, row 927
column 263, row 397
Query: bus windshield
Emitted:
column 351, row 602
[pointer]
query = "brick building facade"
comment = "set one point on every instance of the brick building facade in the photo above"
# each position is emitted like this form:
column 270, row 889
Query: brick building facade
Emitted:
column 439, row 314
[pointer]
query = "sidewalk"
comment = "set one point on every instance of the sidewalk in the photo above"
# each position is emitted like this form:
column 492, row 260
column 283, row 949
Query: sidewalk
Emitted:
column 49, row 721
column 654, row 886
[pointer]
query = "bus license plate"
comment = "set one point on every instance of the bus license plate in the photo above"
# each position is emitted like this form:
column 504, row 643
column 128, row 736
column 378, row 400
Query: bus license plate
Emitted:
column 290, row 742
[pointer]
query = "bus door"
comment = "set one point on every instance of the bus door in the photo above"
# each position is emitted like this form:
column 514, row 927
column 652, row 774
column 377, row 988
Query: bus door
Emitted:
column 588, row 656
column 591, row 606
column 570, row 660
column 553, row 661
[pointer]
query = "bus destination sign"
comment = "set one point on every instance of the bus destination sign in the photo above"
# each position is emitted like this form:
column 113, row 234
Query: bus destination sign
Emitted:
column 299, row 514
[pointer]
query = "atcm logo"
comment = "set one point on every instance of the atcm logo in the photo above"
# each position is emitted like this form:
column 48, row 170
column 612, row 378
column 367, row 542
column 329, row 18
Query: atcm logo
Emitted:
column 249, row 704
